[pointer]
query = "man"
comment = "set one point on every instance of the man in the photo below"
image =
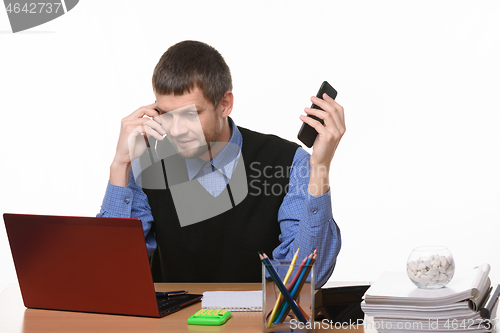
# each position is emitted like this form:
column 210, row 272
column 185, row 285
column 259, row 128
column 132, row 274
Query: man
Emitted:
column 185, row 184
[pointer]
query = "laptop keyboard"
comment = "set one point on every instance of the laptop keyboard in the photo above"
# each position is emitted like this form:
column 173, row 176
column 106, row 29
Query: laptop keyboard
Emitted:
column 166, row 302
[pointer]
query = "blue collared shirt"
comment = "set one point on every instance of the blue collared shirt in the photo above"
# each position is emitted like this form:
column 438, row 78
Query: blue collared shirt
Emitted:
column 306, row 222
column 215, row 174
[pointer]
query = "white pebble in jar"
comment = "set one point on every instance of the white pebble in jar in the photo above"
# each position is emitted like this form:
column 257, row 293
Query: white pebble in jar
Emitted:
column 430, row 267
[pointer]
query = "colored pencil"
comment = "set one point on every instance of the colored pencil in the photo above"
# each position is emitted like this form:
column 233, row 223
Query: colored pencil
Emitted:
column 290, row 288
column 285, row 306
column 297, row 274
column 297, row 288
column 291, row 284
column 280, row 297
column 281, row 287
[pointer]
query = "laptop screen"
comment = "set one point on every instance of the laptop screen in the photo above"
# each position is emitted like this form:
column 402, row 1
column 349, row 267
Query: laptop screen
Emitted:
column 89, row 264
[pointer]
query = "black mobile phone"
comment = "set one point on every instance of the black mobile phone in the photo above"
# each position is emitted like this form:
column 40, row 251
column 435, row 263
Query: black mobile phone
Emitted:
column 307, row 134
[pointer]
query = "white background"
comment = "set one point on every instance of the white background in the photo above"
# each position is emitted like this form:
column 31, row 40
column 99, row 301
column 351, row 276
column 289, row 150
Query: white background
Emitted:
column 419, row 81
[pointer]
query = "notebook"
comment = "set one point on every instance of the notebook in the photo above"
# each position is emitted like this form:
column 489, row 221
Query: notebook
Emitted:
column 232, row 300
column 90, row 264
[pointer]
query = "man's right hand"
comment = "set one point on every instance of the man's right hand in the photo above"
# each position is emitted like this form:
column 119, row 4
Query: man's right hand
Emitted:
column 132, row 141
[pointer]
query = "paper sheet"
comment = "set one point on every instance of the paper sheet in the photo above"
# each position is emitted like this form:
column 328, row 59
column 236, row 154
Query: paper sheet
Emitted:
column 232, row 300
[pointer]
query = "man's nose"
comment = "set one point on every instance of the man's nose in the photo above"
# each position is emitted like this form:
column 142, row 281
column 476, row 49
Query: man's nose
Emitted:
column 177, row 127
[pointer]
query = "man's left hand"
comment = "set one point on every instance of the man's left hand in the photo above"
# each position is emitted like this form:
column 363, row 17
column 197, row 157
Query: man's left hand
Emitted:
column 327, row 141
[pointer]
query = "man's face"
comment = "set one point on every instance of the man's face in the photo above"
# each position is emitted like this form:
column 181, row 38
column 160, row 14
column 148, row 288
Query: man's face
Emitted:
column 191, row 122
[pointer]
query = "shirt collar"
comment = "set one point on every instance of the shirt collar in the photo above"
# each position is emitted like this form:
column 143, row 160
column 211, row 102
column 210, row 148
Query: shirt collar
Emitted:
column 225, row 161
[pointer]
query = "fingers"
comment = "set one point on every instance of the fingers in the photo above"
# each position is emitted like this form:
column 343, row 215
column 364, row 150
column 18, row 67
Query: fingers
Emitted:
column 145, row 115
column 323, row 130
column 332, row 115
column 140, row 123
column 152, row 105
column 332, row 120
column 331, row 107
column 327, row 117
column 334, row 103
column 148, row 110
column 147, row 131
column 150, row 123
column 155, row 125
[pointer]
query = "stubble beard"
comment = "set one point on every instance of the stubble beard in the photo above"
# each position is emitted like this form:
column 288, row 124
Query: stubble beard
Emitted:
column 211, row 138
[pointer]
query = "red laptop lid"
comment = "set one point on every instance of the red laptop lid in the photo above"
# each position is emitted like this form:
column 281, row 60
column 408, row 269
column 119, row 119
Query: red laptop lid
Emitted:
column 89, row 264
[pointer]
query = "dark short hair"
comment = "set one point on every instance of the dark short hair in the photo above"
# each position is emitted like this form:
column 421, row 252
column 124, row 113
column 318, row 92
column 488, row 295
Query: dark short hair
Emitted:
column 191, row 63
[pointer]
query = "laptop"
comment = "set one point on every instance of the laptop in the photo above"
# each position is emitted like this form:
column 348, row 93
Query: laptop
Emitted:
column 89, row 264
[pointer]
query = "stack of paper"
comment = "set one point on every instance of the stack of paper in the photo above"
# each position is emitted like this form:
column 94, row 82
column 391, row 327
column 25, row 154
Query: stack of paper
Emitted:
column 398, row 305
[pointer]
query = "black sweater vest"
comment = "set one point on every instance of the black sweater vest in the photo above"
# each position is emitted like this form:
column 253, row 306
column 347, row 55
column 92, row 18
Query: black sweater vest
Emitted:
column 224, row 248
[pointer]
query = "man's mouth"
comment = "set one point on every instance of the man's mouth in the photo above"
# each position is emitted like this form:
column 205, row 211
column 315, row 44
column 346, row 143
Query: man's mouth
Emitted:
column 184, row 143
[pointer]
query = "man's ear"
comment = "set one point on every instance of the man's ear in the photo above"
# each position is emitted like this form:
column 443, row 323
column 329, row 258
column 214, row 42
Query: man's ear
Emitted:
column 227, row 104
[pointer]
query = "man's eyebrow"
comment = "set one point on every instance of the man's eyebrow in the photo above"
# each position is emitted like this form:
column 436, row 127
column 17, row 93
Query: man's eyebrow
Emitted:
column 198, row 109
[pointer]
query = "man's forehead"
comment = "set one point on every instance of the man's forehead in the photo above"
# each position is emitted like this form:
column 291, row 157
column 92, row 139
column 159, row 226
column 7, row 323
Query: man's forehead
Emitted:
column 167, row 103
column 187, row 108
